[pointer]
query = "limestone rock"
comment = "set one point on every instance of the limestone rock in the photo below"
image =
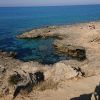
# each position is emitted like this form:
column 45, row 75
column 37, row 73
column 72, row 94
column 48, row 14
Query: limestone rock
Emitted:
column 63, row 72
column 76, row 52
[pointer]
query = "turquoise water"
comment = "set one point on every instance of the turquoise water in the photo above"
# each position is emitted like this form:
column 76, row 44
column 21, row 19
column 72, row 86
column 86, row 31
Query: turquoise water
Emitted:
column 16, row 20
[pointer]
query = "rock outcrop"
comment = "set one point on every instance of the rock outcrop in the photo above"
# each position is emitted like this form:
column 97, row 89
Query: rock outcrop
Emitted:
column 26, row 82
column 75, row 52
column 47, row 32
column 61, row 72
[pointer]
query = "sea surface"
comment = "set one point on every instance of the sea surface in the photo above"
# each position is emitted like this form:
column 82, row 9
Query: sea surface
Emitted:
column 16, row 20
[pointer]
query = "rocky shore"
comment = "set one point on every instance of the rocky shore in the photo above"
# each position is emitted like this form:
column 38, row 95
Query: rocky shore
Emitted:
column 74, row 79
column 49, row 31
column 78, row 41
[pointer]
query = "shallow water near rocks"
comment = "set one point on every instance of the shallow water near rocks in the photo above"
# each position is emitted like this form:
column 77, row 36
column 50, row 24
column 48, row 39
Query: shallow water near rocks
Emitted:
column 40, row 50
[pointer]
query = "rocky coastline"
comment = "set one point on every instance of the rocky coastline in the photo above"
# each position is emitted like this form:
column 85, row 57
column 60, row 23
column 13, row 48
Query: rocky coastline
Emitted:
column 80, row 42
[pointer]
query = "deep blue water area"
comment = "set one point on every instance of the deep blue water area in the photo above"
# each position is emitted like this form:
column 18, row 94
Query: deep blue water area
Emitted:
column 16, row 20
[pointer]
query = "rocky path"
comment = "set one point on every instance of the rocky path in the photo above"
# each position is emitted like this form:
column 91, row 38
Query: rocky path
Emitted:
column 72, row 89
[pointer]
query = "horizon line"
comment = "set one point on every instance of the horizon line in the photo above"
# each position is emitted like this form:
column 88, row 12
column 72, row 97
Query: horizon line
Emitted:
column 50, row 5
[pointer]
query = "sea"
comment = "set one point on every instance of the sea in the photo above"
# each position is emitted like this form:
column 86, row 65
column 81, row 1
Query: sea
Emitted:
column 16, row 20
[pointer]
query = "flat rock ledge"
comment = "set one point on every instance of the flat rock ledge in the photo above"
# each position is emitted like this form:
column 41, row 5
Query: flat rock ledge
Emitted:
column 48, row 32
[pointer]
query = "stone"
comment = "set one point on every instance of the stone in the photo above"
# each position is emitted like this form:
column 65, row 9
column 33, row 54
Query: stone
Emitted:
column 12, row 54
column 39, row 76
column 32, row 80
column 62, row 72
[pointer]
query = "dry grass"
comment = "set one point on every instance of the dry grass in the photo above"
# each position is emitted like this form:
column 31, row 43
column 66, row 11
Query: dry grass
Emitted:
column 46, row 85
column 49, row 84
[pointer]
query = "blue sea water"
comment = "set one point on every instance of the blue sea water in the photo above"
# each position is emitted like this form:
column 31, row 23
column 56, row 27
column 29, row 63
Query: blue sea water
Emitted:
column 15, row 20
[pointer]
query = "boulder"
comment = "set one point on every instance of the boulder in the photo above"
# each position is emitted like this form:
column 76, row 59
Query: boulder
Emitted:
column 32, row 79
column 62, row 72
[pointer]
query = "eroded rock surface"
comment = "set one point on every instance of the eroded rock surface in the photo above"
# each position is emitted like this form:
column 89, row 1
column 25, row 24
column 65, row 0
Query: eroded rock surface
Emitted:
column 75, row 52
column 61, row 72
column 47, row 32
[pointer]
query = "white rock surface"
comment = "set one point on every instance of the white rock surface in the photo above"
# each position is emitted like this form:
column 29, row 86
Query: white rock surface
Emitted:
column 63, row 72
